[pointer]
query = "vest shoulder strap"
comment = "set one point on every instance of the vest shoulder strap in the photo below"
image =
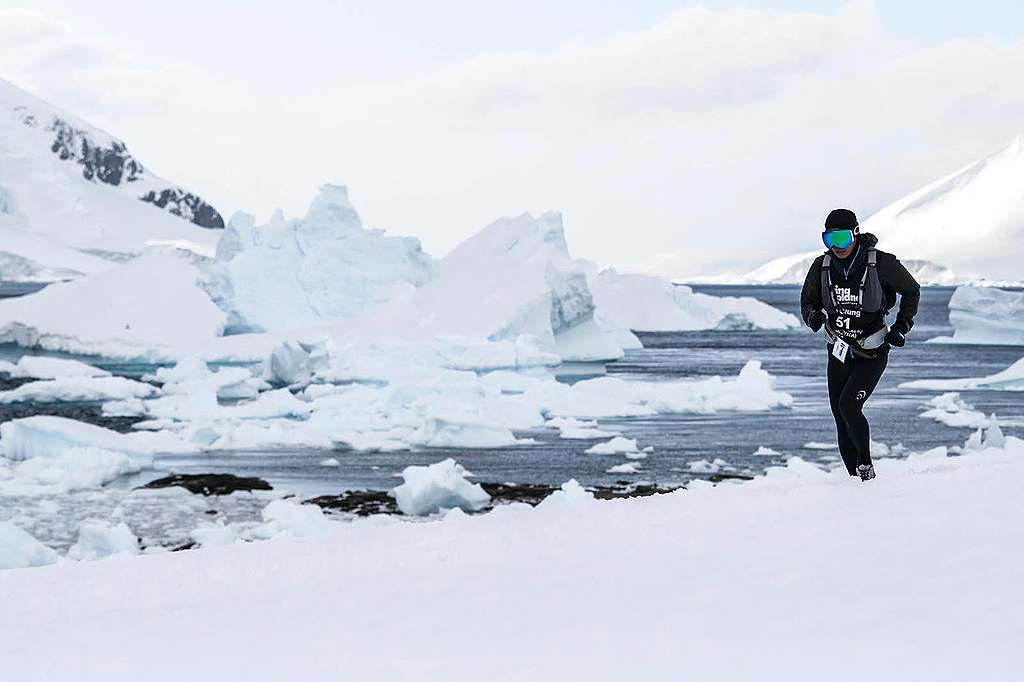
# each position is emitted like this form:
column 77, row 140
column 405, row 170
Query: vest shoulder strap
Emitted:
column 827, row 261
column 873, row 257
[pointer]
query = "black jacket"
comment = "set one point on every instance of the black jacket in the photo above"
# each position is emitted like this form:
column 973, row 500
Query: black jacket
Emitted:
column 894, row 278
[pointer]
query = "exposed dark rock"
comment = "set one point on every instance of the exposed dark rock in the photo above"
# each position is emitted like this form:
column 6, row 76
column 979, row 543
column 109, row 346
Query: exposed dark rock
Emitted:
column 109, row 165
column 186, row 205
column 358, row 502
column 211, row 484
column 369, row 502
column 9, row 383
column 530, row 493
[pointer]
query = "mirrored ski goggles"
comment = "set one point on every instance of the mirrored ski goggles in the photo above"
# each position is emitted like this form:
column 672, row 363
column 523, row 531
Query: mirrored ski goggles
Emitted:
column 839, row 239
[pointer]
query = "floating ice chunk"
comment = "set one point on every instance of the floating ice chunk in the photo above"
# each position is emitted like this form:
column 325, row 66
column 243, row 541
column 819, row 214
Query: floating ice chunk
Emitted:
column 950, row 409
column 624, row 468
column 44, row 436
column 18, row 549
column 615, row 446
column 40, row 367
column 330, row 462
column 429, row 489
column 763, row 451
column 817, row 445
column 576, row 429
column 98, row 540
column 1010, row 379
column 78, row 389
column 703, row 466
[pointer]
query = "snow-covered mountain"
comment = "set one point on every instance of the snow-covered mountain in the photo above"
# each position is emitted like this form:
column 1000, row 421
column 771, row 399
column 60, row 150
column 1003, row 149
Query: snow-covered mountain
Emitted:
column 960, row 229
column 971, row 221
column 73, row 199
column 793, row 270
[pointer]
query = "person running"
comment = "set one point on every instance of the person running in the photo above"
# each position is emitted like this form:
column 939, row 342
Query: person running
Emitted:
column 849, row 290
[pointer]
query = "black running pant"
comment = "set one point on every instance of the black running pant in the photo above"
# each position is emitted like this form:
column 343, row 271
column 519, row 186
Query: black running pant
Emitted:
column 850, row 384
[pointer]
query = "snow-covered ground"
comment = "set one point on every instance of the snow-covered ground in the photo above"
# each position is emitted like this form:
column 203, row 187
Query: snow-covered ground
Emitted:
column 986, row 316
column 907, row 577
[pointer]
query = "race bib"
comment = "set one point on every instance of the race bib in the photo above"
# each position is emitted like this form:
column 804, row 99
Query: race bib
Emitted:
column 839, row 350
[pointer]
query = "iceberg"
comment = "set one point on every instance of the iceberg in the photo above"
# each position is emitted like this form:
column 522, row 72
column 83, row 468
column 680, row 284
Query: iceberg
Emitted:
column 514, row 278
column 793, row 270
column 986, row 315
column 152, row 310
column 291, row 274
column 646, row 303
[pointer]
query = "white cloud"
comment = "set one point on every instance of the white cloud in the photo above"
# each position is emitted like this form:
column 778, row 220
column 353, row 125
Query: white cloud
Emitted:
column 722, row 135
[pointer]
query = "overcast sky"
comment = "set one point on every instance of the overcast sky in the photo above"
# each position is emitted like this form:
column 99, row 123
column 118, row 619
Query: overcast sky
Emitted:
column 699, row 138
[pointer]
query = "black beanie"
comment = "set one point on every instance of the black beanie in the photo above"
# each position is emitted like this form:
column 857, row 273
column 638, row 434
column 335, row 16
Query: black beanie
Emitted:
column 841, row 219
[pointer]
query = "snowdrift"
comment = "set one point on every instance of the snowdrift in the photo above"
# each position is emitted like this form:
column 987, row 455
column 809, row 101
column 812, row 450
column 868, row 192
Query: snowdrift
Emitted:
column 986, row 316
column 290, row 274
column 73, row 199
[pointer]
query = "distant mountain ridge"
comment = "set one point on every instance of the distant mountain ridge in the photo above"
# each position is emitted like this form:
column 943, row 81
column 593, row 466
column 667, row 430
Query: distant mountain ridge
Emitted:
column 106, row 159
column 73, row 199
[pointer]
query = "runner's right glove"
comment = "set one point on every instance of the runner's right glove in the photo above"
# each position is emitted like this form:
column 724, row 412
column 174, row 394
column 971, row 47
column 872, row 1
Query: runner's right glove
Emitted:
column 815, row 320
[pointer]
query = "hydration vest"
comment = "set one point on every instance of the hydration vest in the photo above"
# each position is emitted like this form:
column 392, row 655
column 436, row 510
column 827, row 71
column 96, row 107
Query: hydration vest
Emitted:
column 847, row 314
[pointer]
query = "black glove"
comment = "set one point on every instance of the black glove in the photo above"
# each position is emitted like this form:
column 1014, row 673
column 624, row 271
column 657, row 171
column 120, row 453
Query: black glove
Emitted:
column 815, row 320
column 896, row 338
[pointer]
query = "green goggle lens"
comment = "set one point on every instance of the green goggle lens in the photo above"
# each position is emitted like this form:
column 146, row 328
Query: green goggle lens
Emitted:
column 839, row 239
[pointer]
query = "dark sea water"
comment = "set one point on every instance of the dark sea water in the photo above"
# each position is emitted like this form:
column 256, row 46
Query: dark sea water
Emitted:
column 797, row 358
